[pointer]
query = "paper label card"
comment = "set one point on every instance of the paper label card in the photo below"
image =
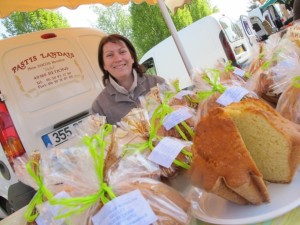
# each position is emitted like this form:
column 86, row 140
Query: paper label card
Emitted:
column 239, row 72
column 232, row 94
column 166, row 151
column 128, row 209
column 49, row 212
column 176, row 117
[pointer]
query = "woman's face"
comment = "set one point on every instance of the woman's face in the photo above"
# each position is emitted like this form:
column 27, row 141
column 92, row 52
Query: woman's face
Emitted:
column 117, row 60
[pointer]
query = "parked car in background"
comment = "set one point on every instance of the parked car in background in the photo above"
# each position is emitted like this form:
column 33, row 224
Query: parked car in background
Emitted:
column 206, row 41
column 49, row 80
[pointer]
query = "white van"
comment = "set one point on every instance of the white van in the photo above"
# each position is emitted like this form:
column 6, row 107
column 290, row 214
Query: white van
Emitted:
column 212, row 38
column 48, row 81
column 266, row 20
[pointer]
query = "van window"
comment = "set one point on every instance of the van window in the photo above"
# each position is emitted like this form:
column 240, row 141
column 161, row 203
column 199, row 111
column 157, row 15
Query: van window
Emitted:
column 246, row 26
column 150, row 66
column 231, row 29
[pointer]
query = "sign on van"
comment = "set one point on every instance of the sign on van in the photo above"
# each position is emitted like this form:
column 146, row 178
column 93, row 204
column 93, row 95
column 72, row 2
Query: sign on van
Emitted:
column 45, row 70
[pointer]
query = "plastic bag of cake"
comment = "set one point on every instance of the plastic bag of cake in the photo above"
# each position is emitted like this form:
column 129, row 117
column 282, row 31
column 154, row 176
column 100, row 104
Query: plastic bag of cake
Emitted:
column 230, row 73
column 212, row 92
column 279, row 54
column 153, row 98
column 136, row 121
column 167, row 204
column 127, row 157
column 184, row 97
column 90, row 125
column 20, row 165
column 293, row 33
column 288, row 104
column 76, row 171
column 136, row 151
column 74, row 208
column 181, row 127
column 256, row 60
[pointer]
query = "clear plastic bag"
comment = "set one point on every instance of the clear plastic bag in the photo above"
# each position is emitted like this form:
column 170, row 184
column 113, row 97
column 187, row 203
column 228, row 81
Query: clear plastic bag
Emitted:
column 288, row 104
column 168, row 204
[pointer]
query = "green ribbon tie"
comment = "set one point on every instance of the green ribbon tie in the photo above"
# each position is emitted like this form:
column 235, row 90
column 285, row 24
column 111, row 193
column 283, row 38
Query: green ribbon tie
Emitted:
column 75, row 205
column 31, row 213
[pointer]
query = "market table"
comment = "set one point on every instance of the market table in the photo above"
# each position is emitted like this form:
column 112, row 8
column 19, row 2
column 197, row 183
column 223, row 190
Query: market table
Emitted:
column 291, row 218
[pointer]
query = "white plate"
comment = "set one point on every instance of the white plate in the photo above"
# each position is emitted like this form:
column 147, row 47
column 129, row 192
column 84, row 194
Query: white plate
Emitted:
column 284, row 198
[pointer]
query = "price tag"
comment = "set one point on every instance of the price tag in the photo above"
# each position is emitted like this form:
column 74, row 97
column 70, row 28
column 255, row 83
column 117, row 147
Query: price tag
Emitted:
column 128, row 209
column 176, row 117
column 232, row 94
column 166, row 151
column 239, row 72
column 48, row 212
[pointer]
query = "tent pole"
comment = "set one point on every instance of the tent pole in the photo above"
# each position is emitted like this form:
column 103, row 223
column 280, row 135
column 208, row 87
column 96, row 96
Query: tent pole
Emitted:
column 175, row 36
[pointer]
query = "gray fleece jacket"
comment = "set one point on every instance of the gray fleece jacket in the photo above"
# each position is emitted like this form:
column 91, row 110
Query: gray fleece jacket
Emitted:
column 115, row 105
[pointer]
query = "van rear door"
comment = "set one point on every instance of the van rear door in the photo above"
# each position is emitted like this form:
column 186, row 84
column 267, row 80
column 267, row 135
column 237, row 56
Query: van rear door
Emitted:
column 49, row 81
column 234, row 41
column 247, row 30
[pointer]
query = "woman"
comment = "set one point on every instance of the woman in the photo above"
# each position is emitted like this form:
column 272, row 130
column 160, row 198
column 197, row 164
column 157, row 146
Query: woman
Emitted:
column 123, row 78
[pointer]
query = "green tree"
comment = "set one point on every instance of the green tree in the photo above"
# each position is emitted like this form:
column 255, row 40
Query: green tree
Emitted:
column 149, row 27
column 21, row 22
column 144, row 24
column 201, row 8
column 114, row 19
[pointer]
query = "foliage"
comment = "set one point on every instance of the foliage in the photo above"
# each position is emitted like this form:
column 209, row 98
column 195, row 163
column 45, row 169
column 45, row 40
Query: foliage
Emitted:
column 149, row 27
column 21, row 22
column 144, row 24
column 114, row 19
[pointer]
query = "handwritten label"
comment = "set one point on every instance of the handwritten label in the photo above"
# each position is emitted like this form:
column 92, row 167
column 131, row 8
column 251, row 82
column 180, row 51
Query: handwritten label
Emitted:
column 48, row 212
column 166, row 151
column 176, row 117
column 128, row 209
column 239, row 72
column 232, row 94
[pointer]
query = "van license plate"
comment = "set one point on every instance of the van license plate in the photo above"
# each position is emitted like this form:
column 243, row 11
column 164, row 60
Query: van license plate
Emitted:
column 60, row 135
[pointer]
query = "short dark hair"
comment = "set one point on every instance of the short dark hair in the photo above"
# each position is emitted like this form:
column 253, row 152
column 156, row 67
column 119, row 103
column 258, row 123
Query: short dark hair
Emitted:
column 114, row 38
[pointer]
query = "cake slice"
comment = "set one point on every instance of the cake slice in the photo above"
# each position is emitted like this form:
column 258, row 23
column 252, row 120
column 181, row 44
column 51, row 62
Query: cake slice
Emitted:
column 272, row 140
column 221, row 162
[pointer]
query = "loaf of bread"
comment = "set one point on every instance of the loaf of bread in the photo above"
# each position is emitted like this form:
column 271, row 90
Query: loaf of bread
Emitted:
column 221, row 162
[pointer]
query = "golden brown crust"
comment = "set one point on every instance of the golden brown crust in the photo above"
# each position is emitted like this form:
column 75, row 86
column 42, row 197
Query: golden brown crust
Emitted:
column 222, row 162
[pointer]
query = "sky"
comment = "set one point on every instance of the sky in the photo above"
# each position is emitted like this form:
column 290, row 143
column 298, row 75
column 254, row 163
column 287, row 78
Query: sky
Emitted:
column 83, row 16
